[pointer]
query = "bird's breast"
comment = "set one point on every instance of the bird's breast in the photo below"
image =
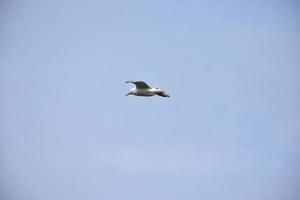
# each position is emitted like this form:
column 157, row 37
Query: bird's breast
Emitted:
column 143, row 92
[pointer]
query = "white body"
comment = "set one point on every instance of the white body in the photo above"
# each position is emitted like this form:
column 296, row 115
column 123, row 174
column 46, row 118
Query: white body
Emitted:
column 144, row 92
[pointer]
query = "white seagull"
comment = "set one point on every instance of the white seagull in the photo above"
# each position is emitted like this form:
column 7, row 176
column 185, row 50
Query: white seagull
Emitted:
column 143, row 89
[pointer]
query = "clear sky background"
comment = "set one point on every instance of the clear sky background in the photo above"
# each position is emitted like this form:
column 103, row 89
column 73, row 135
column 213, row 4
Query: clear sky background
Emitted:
column 229, row 131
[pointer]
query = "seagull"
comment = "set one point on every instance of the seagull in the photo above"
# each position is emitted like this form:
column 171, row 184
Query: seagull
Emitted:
column 143, row 89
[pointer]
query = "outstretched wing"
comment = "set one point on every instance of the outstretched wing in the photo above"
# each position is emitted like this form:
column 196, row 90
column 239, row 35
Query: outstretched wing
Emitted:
column 162, row 94
column 140, row 84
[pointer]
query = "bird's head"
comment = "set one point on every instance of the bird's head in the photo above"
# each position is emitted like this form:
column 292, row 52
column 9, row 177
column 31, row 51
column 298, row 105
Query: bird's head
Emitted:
column 128, row 93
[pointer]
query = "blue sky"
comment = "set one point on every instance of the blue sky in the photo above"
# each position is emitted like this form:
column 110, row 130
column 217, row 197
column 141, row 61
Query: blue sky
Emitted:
column 229, row 131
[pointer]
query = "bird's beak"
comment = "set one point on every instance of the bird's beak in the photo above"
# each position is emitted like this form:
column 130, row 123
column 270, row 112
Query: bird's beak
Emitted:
column 128, row 93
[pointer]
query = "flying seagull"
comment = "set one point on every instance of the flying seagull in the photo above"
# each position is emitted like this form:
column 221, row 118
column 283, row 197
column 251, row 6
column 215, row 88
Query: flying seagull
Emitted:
column 143, row 89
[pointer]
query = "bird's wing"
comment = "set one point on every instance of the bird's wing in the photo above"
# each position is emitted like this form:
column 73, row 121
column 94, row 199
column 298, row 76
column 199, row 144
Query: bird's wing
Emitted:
column 140, row 84
column 162, row 94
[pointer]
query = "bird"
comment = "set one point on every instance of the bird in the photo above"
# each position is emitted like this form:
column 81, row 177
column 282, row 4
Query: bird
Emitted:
column 143, row 89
